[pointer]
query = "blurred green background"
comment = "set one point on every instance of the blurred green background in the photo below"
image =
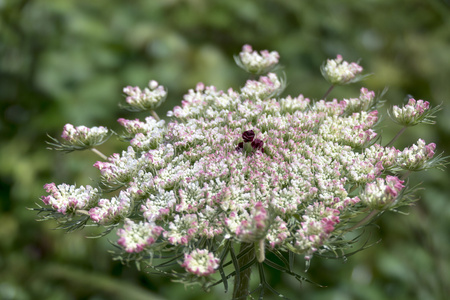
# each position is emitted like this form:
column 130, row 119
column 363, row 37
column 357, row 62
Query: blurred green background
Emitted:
column 67, row 61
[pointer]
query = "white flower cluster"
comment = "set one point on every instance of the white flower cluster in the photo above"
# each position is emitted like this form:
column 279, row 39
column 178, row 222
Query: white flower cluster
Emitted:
column 200, row 262
column 257, row 63
column 317, row 225
column 67, row 199
column 136, row 126
column 364, row 102
column 285, row 174
column 251, row 228
column 148, row 99
column 120, row 168
column 151, row 138
column 415, row 158
column 383, row 192
column 112, row 210
column 158, row 205
column 135, row 237
column 339, row 71
column 83, row 136
column 355, row 130
column 266, row 87
column 410, row 113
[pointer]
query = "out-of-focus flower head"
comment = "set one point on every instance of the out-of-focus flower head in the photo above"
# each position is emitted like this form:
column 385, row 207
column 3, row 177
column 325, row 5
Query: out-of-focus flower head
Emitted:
column 338, row 71
column 257, row 63
column 143, row 100
column 135, row 237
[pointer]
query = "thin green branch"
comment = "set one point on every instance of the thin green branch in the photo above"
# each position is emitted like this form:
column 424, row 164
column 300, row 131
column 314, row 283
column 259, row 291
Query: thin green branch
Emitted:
column 103, row 156
column 396, row 137
column 82, row 212
column 328, row 92
column 155, row 115
column 365, row 220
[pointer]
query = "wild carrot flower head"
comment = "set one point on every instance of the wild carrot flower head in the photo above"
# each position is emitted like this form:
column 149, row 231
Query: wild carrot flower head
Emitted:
column 281, row 174
column 303, row 162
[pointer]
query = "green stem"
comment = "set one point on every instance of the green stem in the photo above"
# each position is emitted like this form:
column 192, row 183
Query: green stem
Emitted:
column 328, row 92
column 403, row 177
column 83, row 212
column 241, row 288
column 155, row 115
column 365, row 220
column 260, row 250
column 103, row 156
column 396, row 137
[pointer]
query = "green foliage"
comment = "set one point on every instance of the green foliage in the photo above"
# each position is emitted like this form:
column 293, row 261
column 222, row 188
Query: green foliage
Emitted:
column 67, row 61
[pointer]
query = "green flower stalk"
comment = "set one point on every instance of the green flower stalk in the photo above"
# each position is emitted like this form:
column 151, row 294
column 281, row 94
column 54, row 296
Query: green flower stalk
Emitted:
column 234, row 175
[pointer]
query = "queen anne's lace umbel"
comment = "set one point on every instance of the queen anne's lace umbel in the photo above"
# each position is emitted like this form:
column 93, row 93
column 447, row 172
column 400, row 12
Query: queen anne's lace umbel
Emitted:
column 66, row 198
column 257, row 63
column 248, row 167
column 84, row 136
column 339, row 71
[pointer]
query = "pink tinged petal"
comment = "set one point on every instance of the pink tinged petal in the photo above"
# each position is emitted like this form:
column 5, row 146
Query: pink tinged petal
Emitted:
column 247, row 48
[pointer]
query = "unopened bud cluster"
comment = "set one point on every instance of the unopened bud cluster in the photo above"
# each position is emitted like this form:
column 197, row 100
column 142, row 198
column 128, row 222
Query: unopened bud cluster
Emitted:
column 410, row 114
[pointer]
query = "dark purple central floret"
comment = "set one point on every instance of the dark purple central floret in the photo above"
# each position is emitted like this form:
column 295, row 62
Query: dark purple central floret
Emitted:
column 257, row 144
column 240, row 146
column 248, row 136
